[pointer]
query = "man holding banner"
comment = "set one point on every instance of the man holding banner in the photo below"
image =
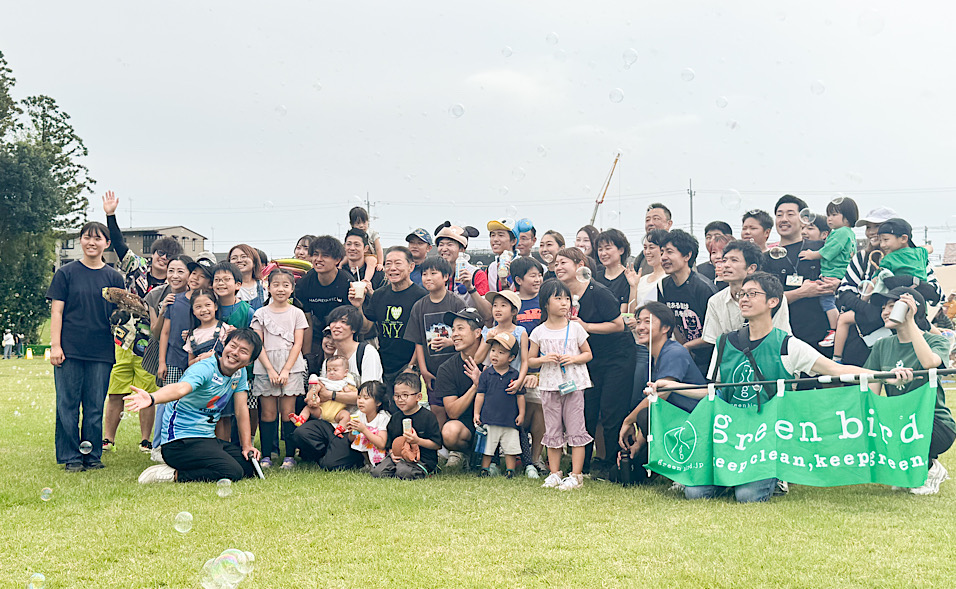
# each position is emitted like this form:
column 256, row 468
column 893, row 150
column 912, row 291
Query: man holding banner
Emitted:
column 912, row 346
column 771, row 443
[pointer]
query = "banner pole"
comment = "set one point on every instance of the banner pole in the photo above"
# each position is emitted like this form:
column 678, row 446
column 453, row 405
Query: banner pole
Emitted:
column 826, row 379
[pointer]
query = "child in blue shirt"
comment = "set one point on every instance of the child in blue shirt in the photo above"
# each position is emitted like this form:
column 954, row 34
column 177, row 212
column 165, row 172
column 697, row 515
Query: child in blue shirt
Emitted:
column 497, row 409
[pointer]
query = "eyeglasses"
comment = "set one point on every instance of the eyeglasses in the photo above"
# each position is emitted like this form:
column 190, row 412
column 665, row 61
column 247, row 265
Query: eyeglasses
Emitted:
column 239, row 258
column 403, row 396
column 748, row 294
column 222, row 280
column 161, row 254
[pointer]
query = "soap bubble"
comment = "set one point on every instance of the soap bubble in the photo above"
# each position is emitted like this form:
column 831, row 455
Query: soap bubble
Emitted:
column 230, row 564
column 687, row 74
column 817, row 87
column 552, row 39
column 807, row 216
column 777, row 252
column 506, row 51
column 542, row 151
column 268, row 204
column 731, row 124
column 583, row 274
column 730, row 200
column 250, row 562
column 630, row 57
column 511, row 212
column 46, row 493
column 37, row 581
column 616, row 95
column 503, row 191
column 518, row 173
column 123, row 415
column 722, row 101
column 870, row 22
column 85, row 447
column 317, row 86
column 456, row 110
column 838, row 199
column 281, row 110
column 224, row 487
column 184, row 522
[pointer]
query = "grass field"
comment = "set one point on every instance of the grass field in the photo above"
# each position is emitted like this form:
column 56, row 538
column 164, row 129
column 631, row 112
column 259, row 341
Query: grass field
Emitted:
column 313, row 529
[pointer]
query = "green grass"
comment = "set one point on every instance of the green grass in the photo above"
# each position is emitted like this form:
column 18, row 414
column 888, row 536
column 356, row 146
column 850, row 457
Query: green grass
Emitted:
column 313, row 529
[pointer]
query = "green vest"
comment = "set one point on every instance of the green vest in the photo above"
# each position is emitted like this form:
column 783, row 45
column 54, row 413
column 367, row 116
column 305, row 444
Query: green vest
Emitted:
column 735, row 367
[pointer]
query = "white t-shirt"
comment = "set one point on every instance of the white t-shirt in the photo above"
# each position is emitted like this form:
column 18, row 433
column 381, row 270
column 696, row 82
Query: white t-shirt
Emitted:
column 800, row 357
column 723, row 316
column 371, row 365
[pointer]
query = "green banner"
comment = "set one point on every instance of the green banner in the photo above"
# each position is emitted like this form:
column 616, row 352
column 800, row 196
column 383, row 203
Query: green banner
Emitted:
column 823, row 438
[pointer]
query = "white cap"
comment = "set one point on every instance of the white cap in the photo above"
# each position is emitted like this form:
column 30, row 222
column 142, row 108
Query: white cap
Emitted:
column 877, row 215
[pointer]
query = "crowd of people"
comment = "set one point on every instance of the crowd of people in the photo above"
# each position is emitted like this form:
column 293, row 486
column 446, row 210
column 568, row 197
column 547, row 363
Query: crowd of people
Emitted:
column 408, row 359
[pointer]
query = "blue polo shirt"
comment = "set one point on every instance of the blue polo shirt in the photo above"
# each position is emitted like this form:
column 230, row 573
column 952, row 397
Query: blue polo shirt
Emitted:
column 196, row 414
column 499, row 408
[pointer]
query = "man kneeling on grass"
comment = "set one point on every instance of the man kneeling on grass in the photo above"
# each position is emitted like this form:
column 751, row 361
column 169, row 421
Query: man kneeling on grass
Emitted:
column 413, row 434
column 191, row 450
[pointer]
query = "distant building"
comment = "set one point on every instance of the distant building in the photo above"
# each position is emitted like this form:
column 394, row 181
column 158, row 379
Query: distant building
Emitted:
column 138, row 239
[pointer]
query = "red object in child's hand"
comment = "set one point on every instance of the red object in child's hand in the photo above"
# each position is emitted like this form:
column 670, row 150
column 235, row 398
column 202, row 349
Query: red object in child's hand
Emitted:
column 297, row 419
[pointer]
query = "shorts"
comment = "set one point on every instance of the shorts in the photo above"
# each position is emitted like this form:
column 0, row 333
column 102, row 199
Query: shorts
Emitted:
column 173, row 374
column 433, row 398
column 506, row 437
column 263, row 387
column 827, row 302
column 330, row 409
column 128, row 371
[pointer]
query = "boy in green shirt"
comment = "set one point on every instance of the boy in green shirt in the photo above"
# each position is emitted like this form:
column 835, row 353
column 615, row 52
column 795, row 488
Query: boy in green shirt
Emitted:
column 835, row 255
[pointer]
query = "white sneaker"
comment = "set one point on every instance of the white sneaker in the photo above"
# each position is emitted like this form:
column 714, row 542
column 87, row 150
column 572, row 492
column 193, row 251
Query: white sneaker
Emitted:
column 158, row 473
column 677, row 488
column 783, row 487
column 156, row 455
column 934, row 478
column 531, row 472
column 443, row 453
column 553, row 480
column 573, row 481
column 454, row 459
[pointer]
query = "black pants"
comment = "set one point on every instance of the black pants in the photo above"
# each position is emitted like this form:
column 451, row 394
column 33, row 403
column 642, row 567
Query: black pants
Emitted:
column 612, row 382
column 206, row 459
column 318, row 443
column 940, row 440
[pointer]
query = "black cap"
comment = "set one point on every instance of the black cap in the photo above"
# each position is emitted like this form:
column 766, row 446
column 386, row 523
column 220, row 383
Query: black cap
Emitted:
column 468, row 314
column 898, row 227
column 881, row 299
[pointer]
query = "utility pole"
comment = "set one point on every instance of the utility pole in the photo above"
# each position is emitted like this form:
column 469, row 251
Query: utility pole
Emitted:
column 690, row 195
column 368, row 206
column 925, row 234
column 131, row 213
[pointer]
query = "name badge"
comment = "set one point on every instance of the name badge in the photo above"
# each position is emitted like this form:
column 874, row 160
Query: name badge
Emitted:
column 794, row 280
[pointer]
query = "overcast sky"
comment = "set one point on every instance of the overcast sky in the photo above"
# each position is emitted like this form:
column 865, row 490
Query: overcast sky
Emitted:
column 259, row 122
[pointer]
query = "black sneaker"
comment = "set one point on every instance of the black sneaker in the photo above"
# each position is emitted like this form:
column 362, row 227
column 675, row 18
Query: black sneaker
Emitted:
column 510, row 473
column 145, row 446
column 94, row 466
column 484, row 472
column 74, row 467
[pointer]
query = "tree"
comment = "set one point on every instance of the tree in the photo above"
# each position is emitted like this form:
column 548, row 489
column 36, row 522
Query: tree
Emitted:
column 43, row 193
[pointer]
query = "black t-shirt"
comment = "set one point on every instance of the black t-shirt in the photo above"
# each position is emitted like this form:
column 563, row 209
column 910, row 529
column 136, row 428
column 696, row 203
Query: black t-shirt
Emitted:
column 599, row 305
column 708, row 271
column 451, row 381
column 807, row 319
column 378, row 278
column 318, row 300
column 389, row 311
column 86, row 333
column 689, row 303
column 619, row 286
column 425, row 425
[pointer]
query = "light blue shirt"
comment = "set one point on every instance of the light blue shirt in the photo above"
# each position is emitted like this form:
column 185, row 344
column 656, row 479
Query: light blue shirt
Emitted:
column 196, row 414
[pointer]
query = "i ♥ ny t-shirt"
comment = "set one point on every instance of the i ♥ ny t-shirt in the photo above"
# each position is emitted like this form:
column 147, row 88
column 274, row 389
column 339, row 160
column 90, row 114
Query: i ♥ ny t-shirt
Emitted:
column 390, row 311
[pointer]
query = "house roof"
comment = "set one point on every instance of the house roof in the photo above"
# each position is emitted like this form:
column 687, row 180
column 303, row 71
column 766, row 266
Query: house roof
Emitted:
column 156, row 229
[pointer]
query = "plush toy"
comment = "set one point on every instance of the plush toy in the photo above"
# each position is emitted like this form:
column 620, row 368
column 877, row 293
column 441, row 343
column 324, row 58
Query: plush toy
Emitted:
column 126, row 301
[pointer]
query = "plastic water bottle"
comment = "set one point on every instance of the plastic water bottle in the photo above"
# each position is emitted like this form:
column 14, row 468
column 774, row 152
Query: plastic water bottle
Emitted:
column 481, row 437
